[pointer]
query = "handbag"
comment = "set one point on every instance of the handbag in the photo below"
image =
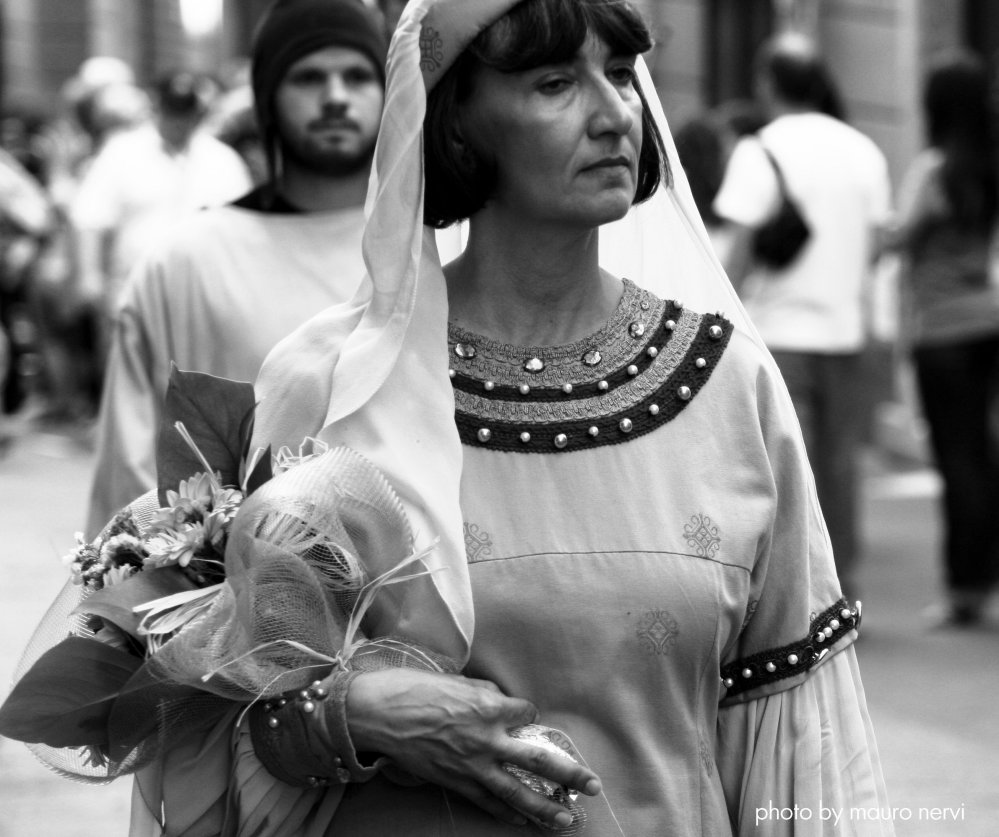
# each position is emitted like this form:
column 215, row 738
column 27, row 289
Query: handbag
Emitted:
column 779, row 241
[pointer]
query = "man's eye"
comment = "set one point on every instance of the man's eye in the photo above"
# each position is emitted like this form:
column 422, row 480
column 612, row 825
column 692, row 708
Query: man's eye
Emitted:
column 307, row 78
column 359, row 77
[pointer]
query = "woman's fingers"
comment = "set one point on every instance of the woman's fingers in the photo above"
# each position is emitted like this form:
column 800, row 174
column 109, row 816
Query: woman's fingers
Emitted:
column 516, row 796
column 559, row 768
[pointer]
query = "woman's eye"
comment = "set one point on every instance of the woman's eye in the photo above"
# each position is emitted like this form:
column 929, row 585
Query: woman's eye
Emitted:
column 553, row 85
column 622, row 75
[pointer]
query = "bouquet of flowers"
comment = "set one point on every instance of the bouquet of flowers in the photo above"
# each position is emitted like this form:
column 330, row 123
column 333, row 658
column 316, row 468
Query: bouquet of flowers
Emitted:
column 242, row 577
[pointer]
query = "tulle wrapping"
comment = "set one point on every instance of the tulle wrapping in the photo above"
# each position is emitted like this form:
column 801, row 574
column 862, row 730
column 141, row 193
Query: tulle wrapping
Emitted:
column 301, row 549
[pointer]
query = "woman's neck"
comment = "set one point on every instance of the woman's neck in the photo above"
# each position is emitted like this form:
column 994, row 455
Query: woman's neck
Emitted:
column 530, row 285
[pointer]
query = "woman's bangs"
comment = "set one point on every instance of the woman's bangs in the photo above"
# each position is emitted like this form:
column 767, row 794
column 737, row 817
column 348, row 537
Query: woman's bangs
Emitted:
column 539, row 32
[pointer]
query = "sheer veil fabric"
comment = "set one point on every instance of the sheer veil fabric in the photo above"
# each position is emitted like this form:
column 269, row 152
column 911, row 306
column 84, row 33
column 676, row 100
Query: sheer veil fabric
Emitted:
column 372, row 374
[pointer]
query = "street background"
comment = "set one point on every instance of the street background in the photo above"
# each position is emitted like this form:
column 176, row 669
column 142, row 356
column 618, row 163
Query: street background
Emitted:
column 932, row 694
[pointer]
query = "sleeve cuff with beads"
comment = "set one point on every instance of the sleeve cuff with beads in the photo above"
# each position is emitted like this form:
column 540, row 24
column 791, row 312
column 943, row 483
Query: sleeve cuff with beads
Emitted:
column 302, row 737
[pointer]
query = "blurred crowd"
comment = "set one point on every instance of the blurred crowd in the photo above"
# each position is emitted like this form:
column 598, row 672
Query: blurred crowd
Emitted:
column 82, row 193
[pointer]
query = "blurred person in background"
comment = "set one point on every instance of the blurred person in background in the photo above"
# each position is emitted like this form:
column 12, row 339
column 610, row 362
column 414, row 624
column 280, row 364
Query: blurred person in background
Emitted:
column 224, row 287
column 700, row 142
column 234, row 121
column 143, row 181
column 100, row 100
column 26, row 225
column 25, row 220
column 947, row 210
column 705, row 143
column 813, row 313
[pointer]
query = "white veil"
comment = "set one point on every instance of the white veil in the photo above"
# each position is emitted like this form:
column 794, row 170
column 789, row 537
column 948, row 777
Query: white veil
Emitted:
column 372, row 374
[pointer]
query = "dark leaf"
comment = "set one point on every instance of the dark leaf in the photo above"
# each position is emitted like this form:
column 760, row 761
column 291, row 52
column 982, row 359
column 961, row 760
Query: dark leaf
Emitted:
column 214, row 411
column 261, row 472
column 246, row 431
column 115, row 603
column 65, row 698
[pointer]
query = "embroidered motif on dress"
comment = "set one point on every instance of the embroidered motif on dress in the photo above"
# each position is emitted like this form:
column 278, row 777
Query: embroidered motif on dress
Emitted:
column 431, row 49
column 658, row 631
column 702, row 536
column 478, row 543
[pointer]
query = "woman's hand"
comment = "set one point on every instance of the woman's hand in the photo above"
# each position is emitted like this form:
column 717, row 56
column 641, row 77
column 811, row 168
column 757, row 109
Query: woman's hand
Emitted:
column 452, row 731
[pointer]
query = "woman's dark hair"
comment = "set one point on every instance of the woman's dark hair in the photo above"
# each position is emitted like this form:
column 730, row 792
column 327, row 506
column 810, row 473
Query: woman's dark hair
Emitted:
column 534, row 33
column 959, row 122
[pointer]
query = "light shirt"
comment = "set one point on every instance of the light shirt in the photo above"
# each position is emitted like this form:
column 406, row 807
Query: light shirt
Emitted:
column 138, row 189
column 215, row 296
column 840, row 179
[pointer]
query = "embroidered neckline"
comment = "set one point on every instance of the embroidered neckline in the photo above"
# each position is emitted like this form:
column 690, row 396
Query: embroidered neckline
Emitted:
column 635, row 373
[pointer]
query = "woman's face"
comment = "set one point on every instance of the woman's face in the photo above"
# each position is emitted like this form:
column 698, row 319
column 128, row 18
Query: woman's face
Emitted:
column 565, row 138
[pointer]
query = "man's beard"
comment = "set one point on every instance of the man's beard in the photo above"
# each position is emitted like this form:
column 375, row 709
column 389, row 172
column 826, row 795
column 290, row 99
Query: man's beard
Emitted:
column 327, row 162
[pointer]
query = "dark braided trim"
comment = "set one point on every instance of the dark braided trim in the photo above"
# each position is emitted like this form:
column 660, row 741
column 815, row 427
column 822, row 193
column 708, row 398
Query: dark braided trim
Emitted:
column 798, row 657
column 668, row 400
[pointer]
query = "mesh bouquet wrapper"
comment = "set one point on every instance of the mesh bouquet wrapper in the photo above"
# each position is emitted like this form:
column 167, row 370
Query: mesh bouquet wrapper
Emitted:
column 155, row 669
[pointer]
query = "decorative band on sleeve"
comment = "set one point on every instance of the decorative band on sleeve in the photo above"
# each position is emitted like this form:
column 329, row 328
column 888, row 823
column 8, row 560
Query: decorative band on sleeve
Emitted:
column 798, row 657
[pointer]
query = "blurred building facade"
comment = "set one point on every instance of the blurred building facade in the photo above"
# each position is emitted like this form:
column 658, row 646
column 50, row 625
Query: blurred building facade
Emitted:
column 875, row 48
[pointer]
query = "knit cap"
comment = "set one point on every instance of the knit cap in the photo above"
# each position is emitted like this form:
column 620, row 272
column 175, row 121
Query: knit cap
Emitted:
column 292, row 29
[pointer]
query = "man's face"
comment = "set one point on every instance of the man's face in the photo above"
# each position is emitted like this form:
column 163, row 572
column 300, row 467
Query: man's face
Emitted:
column 327, row 109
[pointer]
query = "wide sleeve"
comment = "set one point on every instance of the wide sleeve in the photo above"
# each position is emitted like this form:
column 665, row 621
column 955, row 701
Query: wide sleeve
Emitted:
column 793, row 728
column 804, row 761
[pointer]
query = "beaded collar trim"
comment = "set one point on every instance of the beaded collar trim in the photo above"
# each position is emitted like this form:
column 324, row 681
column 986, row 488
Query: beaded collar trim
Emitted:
column 770, row 666
column 633, row 375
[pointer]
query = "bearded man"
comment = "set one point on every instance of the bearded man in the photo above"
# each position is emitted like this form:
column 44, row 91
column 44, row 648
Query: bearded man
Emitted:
column 229, row 283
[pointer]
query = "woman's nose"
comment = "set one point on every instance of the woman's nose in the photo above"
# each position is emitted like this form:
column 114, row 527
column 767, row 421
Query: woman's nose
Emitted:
column 613, row 113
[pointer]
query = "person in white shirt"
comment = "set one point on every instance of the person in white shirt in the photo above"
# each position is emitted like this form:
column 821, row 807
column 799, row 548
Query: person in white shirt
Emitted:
column 225, row 286
column 143, row 181
column 812, row 313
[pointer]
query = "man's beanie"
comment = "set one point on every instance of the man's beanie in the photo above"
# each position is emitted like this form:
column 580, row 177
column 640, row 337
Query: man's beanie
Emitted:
column 292, row 29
